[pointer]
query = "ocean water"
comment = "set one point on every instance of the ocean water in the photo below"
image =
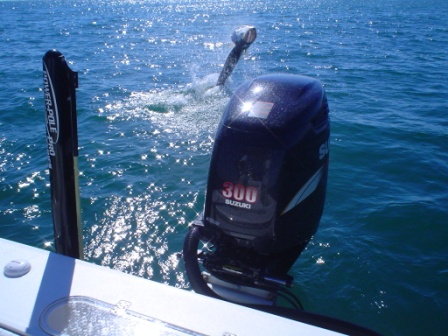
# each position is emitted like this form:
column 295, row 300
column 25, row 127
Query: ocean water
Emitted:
column 147, row 117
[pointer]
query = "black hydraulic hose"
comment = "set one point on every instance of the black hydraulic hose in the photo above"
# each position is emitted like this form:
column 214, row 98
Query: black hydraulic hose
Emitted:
column 190, row 254
column 322, row 321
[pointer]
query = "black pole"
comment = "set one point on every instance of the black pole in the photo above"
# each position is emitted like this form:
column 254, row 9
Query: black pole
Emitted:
column 60, row 83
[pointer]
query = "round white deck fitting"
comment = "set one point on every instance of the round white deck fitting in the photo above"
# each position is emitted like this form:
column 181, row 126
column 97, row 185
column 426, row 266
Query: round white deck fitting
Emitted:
column 16, row 268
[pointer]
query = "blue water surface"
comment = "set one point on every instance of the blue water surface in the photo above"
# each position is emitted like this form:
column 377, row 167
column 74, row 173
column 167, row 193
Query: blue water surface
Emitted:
column 147, row 116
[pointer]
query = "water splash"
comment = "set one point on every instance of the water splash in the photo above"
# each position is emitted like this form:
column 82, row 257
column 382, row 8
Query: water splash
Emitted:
column 157, row 154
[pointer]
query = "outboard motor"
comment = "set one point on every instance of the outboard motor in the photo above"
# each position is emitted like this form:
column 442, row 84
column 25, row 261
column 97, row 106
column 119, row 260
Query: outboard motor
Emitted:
column 266, row 186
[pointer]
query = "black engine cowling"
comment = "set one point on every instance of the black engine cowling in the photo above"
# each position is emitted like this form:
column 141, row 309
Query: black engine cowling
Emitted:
column 267, row 179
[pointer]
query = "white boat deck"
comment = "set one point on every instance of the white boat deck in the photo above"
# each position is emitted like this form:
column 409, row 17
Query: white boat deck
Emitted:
column 65, row 296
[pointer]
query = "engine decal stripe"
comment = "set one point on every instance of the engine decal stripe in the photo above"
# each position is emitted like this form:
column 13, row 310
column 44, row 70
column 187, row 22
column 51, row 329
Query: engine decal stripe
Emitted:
column 307, row 189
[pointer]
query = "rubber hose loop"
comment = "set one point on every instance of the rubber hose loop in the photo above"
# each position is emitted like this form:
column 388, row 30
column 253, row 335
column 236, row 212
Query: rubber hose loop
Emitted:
column 190, row 253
